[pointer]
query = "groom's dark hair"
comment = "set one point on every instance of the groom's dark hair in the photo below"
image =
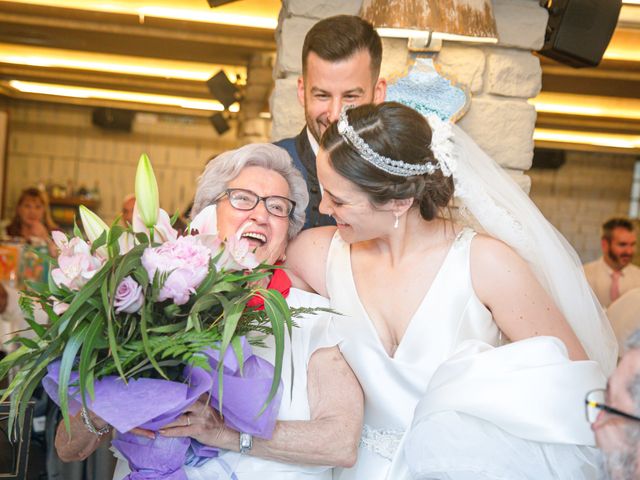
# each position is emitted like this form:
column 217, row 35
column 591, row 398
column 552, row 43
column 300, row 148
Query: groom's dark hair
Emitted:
column 338, row 38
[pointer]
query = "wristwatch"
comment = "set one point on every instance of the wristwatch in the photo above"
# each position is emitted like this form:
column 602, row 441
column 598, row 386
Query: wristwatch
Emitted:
column 246, row 442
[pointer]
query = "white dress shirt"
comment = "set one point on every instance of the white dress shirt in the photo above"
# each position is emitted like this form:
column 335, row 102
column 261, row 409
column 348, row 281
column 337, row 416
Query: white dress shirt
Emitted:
column 624, row 315
column 599, row 277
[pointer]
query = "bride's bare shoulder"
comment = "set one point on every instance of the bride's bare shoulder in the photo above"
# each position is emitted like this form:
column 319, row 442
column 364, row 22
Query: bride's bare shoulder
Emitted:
column 493, row 260
column 307, row 258
column 312, row 239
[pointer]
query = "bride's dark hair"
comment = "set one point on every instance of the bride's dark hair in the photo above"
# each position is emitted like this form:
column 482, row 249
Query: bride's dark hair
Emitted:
column 397, row 132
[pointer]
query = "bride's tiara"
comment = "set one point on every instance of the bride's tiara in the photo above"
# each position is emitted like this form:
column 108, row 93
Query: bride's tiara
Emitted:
column 441, row 146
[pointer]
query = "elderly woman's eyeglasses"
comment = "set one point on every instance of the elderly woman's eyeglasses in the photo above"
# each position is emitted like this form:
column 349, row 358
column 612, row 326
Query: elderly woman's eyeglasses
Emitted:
column 594, row 402
column 242, row 199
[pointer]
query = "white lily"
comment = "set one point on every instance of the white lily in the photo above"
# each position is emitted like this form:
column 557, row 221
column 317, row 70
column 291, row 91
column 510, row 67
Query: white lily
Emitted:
column 94, row 226
column 147, row 197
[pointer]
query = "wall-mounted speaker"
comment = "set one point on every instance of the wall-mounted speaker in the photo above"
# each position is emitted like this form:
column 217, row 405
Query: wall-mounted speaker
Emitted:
column 222, row 89
column 219, row 123
column 548, row 159
column 113, row 119
column 579, row 31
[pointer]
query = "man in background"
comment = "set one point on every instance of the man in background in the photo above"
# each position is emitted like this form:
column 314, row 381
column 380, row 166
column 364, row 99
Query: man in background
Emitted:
column 128, row 203
column 617, row 425
column 341, row 59
column 612, row 275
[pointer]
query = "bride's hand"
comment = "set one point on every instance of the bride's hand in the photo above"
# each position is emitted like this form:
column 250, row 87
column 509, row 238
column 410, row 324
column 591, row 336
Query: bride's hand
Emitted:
column 203, row 422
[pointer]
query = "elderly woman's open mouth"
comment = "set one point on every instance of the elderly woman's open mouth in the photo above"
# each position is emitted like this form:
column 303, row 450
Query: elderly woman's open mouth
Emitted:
column 255, row 236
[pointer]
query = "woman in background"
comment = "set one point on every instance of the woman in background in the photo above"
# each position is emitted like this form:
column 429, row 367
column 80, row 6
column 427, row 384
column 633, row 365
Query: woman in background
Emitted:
column 32, row 220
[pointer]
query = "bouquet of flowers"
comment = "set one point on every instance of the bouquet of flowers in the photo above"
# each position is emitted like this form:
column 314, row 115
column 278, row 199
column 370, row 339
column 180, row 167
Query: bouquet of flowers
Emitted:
column 142, row 321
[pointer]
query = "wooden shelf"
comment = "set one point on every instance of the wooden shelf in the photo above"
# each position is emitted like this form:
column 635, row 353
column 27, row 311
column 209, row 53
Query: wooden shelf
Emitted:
column 65, row 209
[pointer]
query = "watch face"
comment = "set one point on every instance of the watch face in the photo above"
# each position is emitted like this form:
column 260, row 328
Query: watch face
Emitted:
column 246, row 442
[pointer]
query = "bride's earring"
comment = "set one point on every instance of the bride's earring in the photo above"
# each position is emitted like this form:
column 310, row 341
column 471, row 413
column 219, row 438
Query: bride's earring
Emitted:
column 397, row 222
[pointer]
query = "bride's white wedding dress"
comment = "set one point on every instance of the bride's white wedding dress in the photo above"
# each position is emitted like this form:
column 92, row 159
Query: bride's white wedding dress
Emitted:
column 483, row 410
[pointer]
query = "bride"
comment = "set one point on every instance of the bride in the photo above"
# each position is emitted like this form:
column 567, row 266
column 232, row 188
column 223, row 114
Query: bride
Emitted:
column 474, row 350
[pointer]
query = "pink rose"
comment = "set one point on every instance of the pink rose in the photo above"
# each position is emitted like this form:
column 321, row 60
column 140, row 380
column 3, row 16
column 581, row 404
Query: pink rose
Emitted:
column 129, row 297
column 76, row 265
column 186, row 261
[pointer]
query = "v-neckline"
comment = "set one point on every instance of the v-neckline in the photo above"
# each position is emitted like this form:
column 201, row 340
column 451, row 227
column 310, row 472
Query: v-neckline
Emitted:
column 426, row 296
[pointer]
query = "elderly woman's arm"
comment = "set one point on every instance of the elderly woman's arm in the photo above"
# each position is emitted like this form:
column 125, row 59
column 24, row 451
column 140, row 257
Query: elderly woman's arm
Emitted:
column 78, row 443
column 330, row 437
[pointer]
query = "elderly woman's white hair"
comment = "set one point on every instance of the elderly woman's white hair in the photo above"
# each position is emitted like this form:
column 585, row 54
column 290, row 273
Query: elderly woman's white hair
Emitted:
column 228, row 165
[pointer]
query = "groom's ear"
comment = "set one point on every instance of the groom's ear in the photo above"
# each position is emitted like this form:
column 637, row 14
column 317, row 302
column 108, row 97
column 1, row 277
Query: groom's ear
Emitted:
column 401, row 205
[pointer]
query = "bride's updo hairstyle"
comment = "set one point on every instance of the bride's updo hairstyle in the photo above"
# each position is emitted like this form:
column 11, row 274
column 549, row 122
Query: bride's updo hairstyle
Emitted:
column 399, row 133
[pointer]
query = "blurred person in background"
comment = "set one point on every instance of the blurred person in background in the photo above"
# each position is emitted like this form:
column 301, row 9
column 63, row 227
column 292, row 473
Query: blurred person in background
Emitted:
column 612, row 274
column 32, row 220
column 624, row 315
column 128, row 203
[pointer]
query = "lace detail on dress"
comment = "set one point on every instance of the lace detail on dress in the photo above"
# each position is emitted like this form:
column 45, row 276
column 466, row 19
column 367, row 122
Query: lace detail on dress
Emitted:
column 381, row 441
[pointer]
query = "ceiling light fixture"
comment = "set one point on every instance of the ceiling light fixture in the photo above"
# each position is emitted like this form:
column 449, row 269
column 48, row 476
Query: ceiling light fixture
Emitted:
column 120, row 96
column 587, row 105
column 587, row 138
column 120, row 64
column 141, row 9
column 194, row 15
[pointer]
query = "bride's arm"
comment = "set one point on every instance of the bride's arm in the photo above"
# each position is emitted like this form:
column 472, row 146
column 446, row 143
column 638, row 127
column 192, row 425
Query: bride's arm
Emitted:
column 520, row 306
column 307, row 259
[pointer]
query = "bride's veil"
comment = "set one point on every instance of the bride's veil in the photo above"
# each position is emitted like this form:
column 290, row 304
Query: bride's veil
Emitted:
column 489, row 198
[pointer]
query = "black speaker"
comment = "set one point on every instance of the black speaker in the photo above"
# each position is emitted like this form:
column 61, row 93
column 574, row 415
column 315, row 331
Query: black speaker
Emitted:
column 113, row 119
column 219, row 123
column 222, row 89
column 579, row 31
column 547, row 159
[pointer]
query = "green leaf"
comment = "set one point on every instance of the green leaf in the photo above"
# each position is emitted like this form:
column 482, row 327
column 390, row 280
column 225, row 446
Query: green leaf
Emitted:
column 232, row 314
column 76, row 231
column 111, row 334
column 87, row 355
column 145, row 341
column 276, row 308
column 66, row 365
column 27, row 342
column 174, row 217
column 236, row 344
column 99, row 242
column 26, row 305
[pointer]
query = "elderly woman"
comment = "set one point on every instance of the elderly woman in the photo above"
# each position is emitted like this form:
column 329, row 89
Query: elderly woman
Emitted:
column 260, row 194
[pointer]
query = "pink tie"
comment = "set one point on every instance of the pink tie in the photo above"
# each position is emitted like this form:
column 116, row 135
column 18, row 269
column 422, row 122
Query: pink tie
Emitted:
column 614, row 293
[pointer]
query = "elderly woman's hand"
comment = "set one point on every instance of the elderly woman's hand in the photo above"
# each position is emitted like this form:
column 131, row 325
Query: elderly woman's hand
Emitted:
column 203, row 422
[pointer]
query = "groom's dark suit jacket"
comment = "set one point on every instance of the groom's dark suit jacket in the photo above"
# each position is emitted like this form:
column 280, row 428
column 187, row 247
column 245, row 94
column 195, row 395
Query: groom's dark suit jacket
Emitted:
column 305, row 160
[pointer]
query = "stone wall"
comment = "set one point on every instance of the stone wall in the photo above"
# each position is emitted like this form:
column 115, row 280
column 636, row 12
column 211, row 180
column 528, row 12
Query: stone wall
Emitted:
column 54, row 143
column 579, row 196
column 500, row 77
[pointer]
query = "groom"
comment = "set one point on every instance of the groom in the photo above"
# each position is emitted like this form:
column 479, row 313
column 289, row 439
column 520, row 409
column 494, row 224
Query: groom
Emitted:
column 341, row 59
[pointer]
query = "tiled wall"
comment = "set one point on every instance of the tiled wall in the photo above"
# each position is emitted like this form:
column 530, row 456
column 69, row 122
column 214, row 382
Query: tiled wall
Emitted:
column 578, row 197
column 58, row 143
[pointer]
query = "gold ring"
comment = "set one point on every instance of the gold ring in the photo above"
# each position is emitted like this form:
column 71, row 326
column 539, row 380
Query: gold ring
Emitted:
column 188, row 420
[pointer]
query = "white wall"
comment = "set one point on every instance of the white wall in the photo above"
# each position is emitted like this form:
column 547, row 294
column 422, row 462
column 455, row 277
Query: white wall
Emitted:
column 58, row 143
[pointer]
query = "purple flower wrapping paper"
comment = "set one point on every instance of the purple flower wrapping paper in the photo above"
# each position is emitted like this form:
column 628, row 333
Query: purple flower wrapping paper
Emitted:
column 152, row 403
